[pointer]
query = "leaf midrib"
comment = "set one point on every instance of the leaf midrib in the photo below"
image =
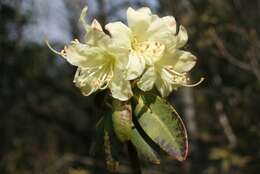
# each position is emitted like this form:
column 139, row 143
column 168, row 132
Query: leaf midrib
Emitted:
column 165, row 127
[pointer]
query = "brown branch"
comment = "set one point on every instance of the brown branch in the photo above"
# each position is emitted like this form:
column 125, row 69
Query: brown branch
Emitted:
column 252, row 66
column 226, row 54
column 255, row 67
column 253, row 53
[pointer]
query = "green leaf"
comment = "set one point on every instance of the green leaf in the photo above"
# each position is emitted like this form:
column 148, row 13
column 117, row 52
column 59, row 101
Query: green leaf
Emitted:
column 162, row 124
column 143, row 148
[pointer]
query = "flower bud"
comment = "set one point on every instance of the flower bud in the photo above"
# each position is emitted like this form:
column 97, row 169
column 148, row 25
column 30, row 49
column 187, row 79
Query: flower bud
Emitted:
column 122, row 119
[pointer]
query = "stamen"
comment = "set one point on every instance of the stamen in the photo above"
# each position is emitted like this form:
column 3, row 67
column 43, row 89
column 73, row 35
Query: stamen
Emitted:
column 52, row 49
column 64, row 52
column 171, row 70
column 195, row 84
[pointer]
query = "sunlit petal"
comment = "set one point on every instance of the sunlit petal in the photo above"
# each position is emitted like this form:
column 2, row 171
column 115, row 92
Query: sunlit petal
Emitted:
column 120, row 34
column 135, row 66
column 139, row 20
column 178, row 60
column 162, row 30
column 120, row 88
column 163, row 87
column 82, row 55
column 147, row 80
column 96, row 36
column 181, row 38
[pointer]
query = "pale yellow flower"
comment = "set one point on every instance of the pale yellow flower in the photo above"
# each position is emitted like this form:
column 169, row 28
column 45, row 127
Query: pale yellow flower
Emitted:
column 146, row 36
column 100, row 64
column 169, row 72
column 154, row 48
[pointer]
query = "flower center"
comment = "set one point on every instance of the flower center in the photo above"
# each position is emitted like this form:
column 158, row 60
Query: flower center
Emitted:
column 151, row 51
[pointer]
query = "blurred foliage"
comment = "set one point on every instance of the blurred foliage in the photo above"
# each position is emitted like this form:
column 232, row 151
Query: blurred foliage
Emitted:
column 47, row 126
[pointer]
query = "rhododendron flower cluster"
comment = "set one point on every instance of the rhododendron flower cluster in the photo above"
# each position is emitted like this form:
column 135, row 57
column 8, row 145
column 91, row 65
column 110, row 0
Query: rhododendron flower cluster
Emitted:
column 147, row 51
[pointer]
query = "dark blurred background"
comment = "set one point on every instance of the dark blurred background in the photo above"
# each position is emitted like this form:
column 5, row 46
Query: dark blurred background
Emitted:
column 48, row 127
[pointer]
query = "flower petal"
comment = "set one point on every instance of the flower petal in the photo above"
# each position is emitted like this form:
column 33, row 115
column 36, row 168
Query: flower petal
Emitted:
column 120, row 34
column 96, row 25
column 163, row 87
column 135, row 66
column 147, row 80
column 181, row 38
column 120, row 88
column 186, row 61
column 82, row 55
column 179, row 61
column 139, row 20
column 162, row 30
column 96, row 37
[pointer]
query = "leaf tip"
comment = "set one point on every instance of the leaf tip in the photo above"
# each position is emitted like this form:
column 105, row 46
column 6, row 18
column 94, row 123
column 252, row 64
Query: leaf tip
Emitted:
column 184, row 154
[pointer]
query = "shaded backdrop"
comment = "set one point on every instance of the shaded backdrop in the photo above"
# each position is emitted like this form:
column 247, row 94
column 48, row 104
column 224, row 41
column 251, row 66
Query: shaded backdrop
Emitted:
column 48, row 127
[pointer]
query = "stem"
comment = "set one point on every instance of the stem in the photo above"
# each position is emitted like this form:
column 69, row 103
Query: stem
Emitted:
column 134, row 160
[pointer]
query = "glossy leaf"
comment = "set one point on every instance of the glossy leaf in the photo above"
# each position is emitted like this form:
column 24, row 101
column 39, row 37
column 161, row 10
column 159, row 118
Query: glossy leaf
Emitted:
column 143, row 148
column 162, row 124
